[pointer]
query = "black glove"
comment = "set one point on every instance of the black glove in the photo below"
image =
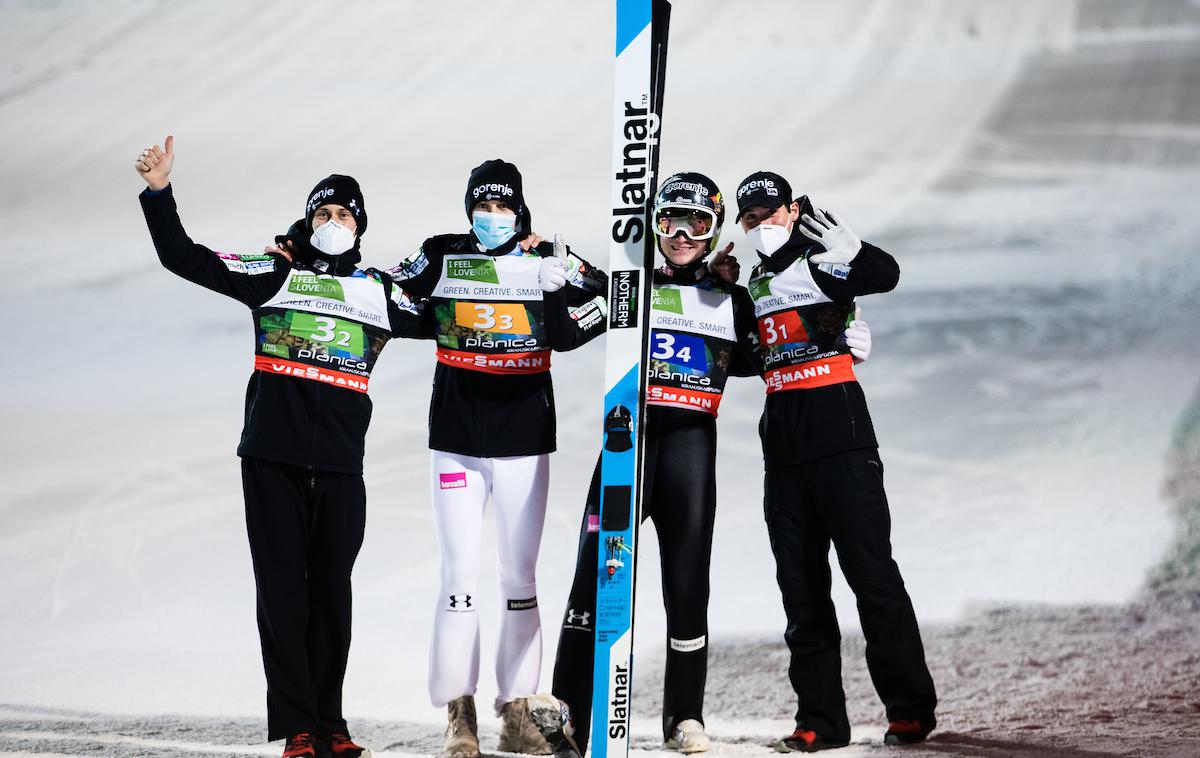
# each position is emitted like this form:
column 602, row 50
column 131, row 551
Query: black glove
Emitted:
column 301, row 248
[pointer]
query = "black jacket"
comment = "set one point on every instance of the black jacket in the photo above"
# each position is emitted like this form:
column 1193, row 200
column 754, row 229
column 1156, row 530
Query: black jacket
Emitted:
column 806, row 424
column 319, row 423
column 489, row 415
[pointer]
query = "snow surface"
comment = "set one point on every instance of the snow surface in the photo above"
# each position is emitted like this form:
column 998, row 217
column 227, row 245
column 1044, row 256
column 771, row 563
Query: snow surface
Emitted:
column 1032, row 164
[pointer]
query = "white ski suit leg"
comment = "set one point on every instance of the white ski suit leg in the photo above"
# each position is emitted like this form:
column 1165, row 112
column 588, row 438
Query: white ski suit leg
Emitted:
column 519, row 486
column 461, row 486
column 460, row 489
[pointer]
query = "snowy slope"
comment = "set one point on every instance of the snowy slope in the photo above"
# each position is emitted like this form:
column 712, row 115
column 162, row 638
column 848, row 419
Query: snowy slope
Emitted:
column 1032, row 165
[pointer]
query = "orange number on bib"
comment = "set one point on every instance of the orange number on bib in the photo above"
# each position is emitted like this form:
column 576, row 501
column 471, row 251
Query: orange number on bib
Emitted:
column 504, row 318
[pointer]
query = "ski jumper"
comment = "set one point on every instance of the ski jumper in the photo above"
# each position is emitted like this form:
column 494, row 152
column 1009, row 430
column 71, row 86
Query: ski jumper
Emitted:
column 702, row 331
column 491, row 430
column 317, row 336
column 824, row 484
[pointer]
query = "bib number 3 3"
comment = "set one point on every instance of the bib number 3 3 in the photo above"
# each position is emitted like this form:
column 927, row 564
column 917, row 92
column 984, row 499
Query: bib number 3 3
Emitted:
column 505, row 318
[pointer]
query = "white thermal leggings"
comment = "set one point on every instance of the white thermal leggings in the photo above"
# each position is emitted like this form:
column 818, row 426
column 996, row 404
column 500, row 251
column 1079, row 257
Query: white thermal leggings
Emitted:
column 461, row 487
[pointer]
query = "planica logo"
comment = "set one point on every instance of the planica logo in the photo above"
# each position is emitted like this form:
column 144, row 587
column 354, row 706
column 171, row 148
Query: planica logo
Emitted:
column 623, row 308
column 472, row 269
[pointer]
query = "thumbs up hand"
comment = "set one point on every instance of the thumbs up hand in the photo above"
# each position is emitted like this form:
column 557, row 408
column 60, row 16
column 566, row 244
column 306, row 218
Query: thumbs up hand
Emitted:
column 154, row 164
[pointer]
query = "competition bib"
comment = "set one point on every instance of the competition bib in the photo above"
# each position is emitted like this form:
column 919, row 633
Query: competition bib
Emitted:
column 800, row 330
column 325, row 328
column 488, row 313
column 692, row 339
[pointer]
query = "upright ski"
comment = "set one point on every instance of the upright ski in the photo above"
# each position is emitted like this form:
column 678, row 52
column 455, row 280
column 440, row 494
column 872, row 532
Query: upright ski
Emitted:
column 641, row 58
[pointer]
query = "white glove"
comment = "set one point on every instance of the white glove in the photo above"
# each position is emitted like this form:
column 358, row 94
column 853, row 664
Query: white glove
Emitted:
column 841, row 244
column 552, row 276
column 858, row 339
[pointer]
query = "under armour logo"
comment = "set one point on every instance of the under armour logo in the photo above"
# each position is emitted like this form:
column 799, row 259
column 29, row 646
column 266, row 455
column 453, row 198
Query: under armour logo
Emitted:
column 454, row 600
column 578, row 618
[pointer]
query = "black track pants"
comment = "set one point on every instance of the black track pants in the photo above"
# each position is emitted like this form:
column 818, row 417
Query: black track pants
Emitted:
column 841, row 499
column 305, row 531
column 681, row 500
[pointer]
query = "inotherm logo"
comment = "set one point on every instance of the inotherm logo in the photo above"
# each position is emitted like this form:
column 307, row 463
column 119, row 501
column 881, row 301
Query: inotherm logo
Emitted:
column 623, row 306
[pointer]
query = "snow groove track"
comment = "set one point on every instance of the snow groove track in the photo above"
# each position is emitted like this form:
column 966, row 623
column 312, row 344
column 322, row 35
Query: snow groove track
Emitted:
column 1032, row 164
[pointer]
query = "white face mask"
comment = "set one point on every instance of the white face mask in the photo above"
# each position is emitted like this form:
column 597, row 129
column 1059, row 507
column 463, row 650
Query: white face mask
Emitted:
column 767, row 238
column 332, row 238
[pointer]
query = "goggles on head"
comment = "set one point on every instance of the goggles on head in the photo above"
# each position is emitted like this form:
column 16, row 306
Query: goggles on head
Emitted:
column 696, row 223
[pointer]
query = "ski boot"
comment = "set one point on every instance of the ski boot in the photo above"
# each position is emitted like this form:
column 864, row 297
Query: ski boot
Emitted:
column 300, row 745
column 518, row 732
column 462, row 731
column 805, row 741
column 552, row 717
column 339, row 745
column 908, row 731
column 688, row 737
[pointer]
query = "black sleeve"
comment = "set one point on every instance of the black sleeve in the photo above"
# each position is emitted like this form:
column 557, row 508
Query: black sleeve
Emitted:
column 871, row 271
column 406, row 317
column 250, row 279
column 418, row 274
column 746, row 360
column 577, row 313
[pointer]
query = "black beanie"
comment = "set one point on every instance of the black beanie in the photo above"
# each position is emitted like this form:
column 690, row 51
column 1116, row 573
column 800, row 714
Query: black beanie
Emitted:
column 498, row 180
column 338, row 190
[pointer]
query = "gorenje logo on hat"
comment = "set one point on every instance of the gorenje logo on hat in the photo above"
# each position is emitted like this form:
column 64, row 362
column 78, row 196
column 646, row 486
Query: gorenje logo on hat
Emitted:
column 315, row 201
column 765, row 184
column 493, row 188
column 696, row 187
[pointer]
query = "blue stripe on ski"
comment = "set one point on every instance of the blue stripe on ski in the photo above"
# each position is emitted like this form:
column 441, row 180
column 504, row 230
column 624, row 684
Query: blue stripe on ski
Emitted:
column 613, row 612
column 632, row 17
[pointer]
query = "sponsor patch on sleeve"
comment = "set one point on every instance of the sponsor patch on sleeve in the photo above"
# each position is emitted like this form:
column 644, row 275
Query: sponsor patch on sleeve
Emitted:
column 838, row 270
column 575, row 268
column 590, row 312
column 411, row 266
column 248, row 264
column 403, row 301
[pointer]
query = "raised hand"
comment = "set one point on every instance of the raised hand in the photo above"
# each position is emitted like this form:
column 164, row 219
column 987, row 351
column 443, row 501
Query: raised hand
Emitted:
column 725, row 266
column 841, row 244
column 154, row 164
column 552, row 274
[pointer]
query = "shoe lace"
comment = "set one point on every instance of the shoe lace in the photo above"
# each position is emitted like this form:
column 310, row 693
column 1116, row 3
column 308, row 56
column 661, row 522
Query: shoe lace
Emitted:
column 341, row 739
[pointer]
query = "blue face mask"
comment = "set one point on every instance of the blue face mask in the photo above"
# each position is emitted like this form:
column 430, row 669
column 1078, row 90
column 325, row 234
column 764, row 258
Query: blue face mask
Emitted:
column 493, row 229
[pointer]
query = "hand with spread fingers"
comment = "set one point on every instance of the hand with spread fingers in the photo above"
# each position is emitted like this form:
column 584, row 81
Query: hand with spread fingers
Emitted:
column 841, row 244
column 725, row 266
column 154, row 164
